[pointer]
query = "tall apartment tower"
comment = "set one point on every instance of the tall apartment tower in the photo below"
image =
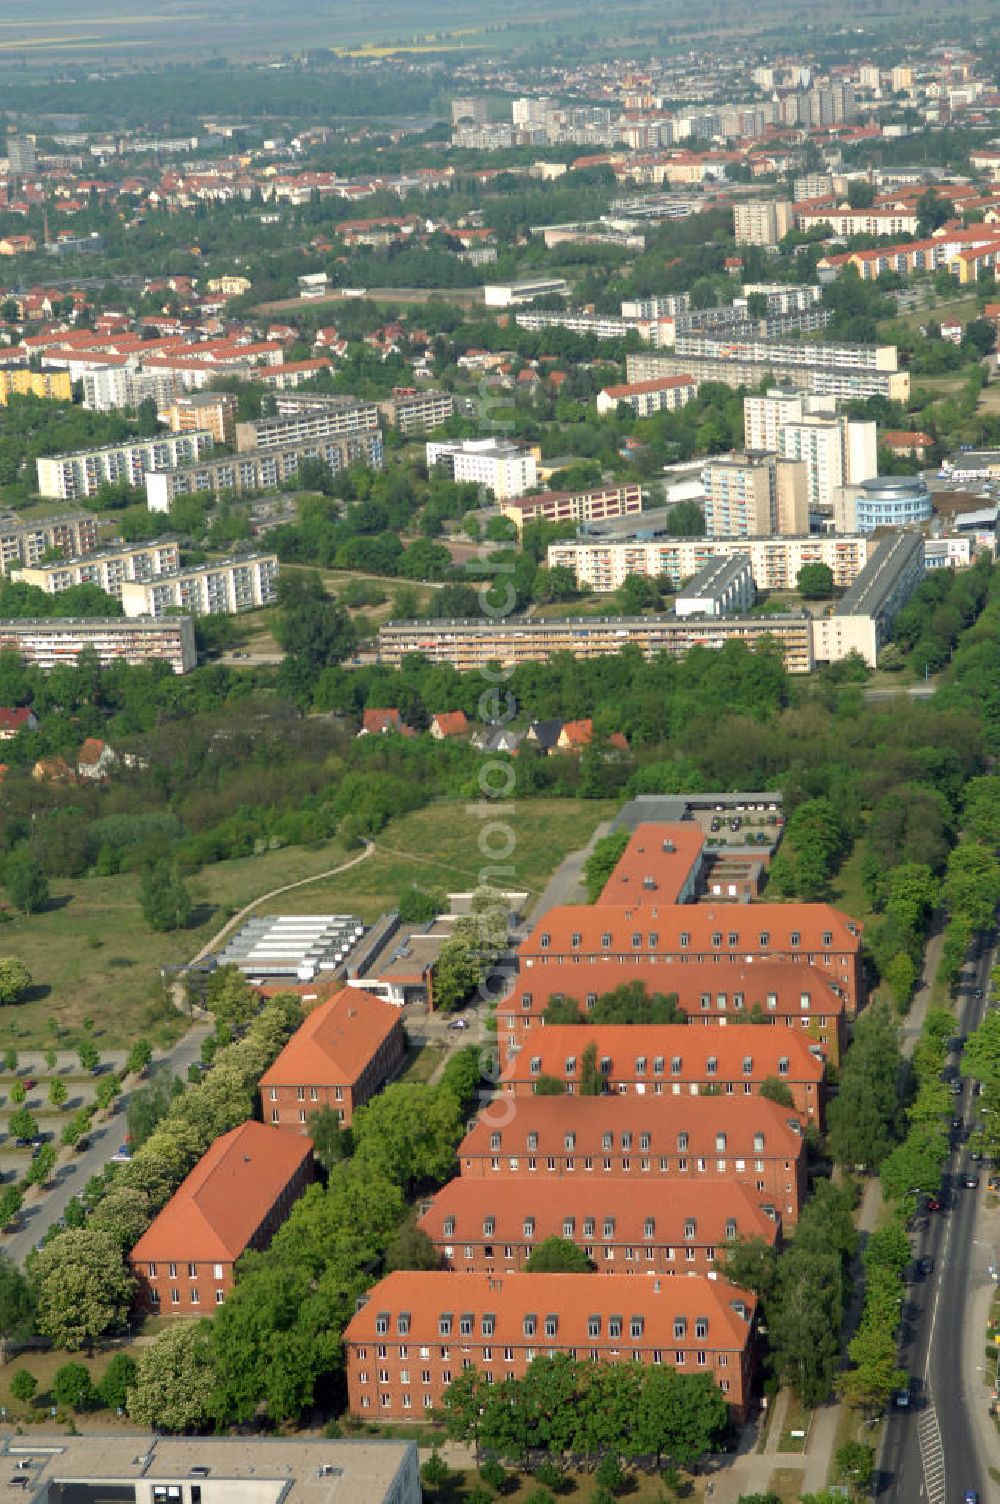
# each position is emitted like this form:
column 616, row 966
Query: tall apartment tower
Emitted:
column 762, row 221
column 752, row 495
column 21, row 156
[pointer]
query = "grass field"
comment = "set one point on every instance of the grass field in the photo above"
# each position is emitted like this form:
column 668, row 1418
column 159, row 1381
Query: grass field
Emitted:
column 438, row 847
column 91, row 954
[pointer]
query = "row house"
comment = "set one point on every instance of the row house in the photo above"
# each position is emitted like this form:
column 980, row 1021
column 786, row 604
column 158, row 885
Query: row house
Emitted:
column 484, row 1227
column 672, row 1060
column 788, row 996
column 743, row 1141
column 417, row 1330
column 235, row 1198
column 343, row 1053
column 813, row 934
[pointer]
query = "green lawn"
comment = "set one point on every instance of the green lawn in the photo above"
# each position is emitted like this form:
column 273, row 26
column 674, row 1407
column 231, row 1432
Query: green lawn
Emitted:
column 91, row 954
column 438, row 848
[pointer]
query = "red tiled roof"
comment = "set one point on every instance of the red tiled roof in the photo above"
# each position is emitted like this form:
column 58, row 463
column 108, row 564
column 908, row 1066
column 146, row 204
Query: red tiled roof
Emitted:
column 577, row 733
column 451, row 722
column 336, row 1042
column 426, row 1295
column 468, row 1202
column 788, row 982
column 741, row 1118
column 748, row 923
column 382, row 720
column 14, row 719
column 627, row 1045
column 898, row 439
column 640, row 388
column 216, row 1210
column 91, row 752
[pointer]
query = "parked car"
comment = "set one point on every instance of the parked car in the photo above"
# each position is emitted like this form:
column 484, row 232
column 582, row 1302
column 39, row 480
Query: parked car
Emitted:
column 122, row 1155
column 926, row 1265
column 30, row 1084
column 459, row 1023
column 970, row 1182
column 933, row 1204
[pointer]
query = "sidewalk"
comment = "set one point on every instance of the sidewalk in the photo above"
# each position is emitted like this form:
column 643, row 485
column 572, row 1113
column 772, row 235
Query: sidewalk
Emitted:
column 977, row 1311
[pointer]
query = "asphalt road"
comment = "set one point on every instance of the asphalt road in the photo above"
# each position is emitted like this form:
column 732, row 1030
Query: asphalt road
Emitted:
column 73, row 1173
column 930, row 1454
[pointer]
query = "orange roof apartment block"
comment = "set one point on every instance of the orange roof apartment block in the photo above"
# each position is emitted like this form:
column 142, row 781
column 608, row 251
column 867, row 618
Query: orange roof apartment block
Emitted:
column 661, row 861
column 485, row 1227
column 673, row 1060
column 647, row 930
column 500, row 1325
column 342, row 1054
column 731, row 992
column 235, row 1198
column 743, row 1140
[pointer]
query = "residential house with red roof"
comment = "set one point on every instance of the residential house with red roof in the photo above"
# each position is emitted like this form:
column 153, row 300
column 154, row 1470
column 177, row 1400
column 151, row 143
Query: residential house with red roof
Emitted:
column 14, row 719
column 449, row 723
column 376, row 722
column 342, row 1054
column 235, row 1198
column 418, row 1329
column 741, row 1140
column 672, row 1060
column 487, row 1227
column 95, row 760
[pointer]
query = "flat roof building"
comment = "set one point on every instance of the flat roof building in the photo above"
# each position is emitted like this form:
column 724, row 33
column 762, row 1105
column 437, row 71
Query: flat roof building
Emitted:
column 862, row 619
column 145, row 1469
column 260, row 470
column 722, row 588
column 84, row 472
column 109, row 569
column 574, row 506
column 224, row 587
column 884, row 501
column 509, row 294
column 292, row 945
column 502, row 467
column 50, row 641
column 603, row 564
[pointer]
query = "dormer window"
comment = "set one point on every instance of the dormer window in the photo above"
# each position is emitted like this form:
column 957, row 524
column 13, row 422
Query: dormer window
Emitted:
column 644, row 1142
column 489, row 1226
column 609, row 1227
column 748, row 1065
column 551, row 1325
column 593, row 1326
column 636, row 942
column 576, row 941
column 532, row 1142
column 489, row 1325
column 543, row 941
column 764, row 939
column 654, row 941
column 444, row 1325
column 626, row 1139
column 640, row 1065
column 804, row 1002
column 649, row 1227
column 783, row 1066
column 571, row 1065
column 772, row 1001
column 720, row 1143
column 588, row 1227
column 758, row 1143
column 465, row 1325
column 731, row 1228
column 827, row 937
column 701, row 1326
column 716, row 940
column 636, row 1327
column 590, row 999
column 676, row 1065
column 607, row 1140
column 535, row 1065
column 706, row 1001
column 529, row 1227
column 569, row 1226
column 690, row 1227
column 658, row 1065
column 680, row 1328
column 382, row 1323
column 733, row 939
column 685, row 940
column 711, row 1065
column 614, row 1326
column 796, row 939
column 494, row 1140
column 570, row 1141
column 605, row 942
column 526, row 1001
column 682, row 1143
column 530, row 1325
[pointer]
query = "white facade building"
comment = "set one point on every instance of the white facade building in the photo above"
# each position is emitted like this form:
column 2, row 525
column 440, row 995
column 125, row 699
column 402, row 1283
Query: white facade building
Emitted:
column 504, row 468
column 223, row 587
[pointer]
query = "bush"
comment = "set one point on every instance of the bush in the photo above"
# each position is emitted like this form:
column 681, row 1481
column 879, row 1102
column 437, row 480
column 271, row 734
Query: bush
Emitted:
column 72, row 1387
column 435, row 1472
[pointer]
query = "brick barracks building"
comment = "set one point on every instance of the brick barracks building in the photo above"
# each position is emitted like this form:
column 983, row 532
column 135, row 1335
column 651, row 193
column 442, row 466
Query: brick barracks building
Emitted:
column 417, row 1330
column 235, row 1198
column 721, row 1142
column 482, row 1226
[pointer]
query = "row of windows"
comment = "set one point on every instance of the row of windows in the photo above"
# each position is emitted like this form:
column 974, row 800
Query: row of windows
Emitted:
column 683, row 1165
column 194, row 1296
column 530, row 1326
column 589, row 1227
column 510, row 1354
column 608, row 1141
column 314, row 1091
column 684, row 940
column 303, row 1118
column 192, row 1269
column 642, row 1065
column 610, row 1254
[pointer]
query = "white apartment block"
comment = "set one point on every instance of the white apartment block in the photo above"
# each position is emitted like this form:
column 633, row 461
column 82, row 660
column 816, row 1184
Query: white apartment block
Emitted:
column 223, row 587
column 830, row 448
column 664, row 307
column 764, row 417
column 762, row 221
column 83, row 473
column 808, row 371
column 300, row 423
column 412, row 410
column 28, row 542
column 59, row 640
column 574, row 506
column 504, row 468
column 664, row 394
column 109, row 570
column 775, row 562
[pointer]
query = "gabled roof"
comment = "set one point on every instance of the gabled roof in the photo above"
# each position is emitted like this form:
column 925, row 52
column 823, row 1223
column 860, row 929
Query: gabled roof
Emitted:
column 382, row 720
column 738, row 1053
column 544, row 733
column 336, row 1042
column 451, row 722
column 14, row 719
column 701, row 1119
column 577, row 733
column 772, row 928
column 656, row 863
column 426, row 1296
column 468, row 1202
column 92, row 751
column 216, row 1210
